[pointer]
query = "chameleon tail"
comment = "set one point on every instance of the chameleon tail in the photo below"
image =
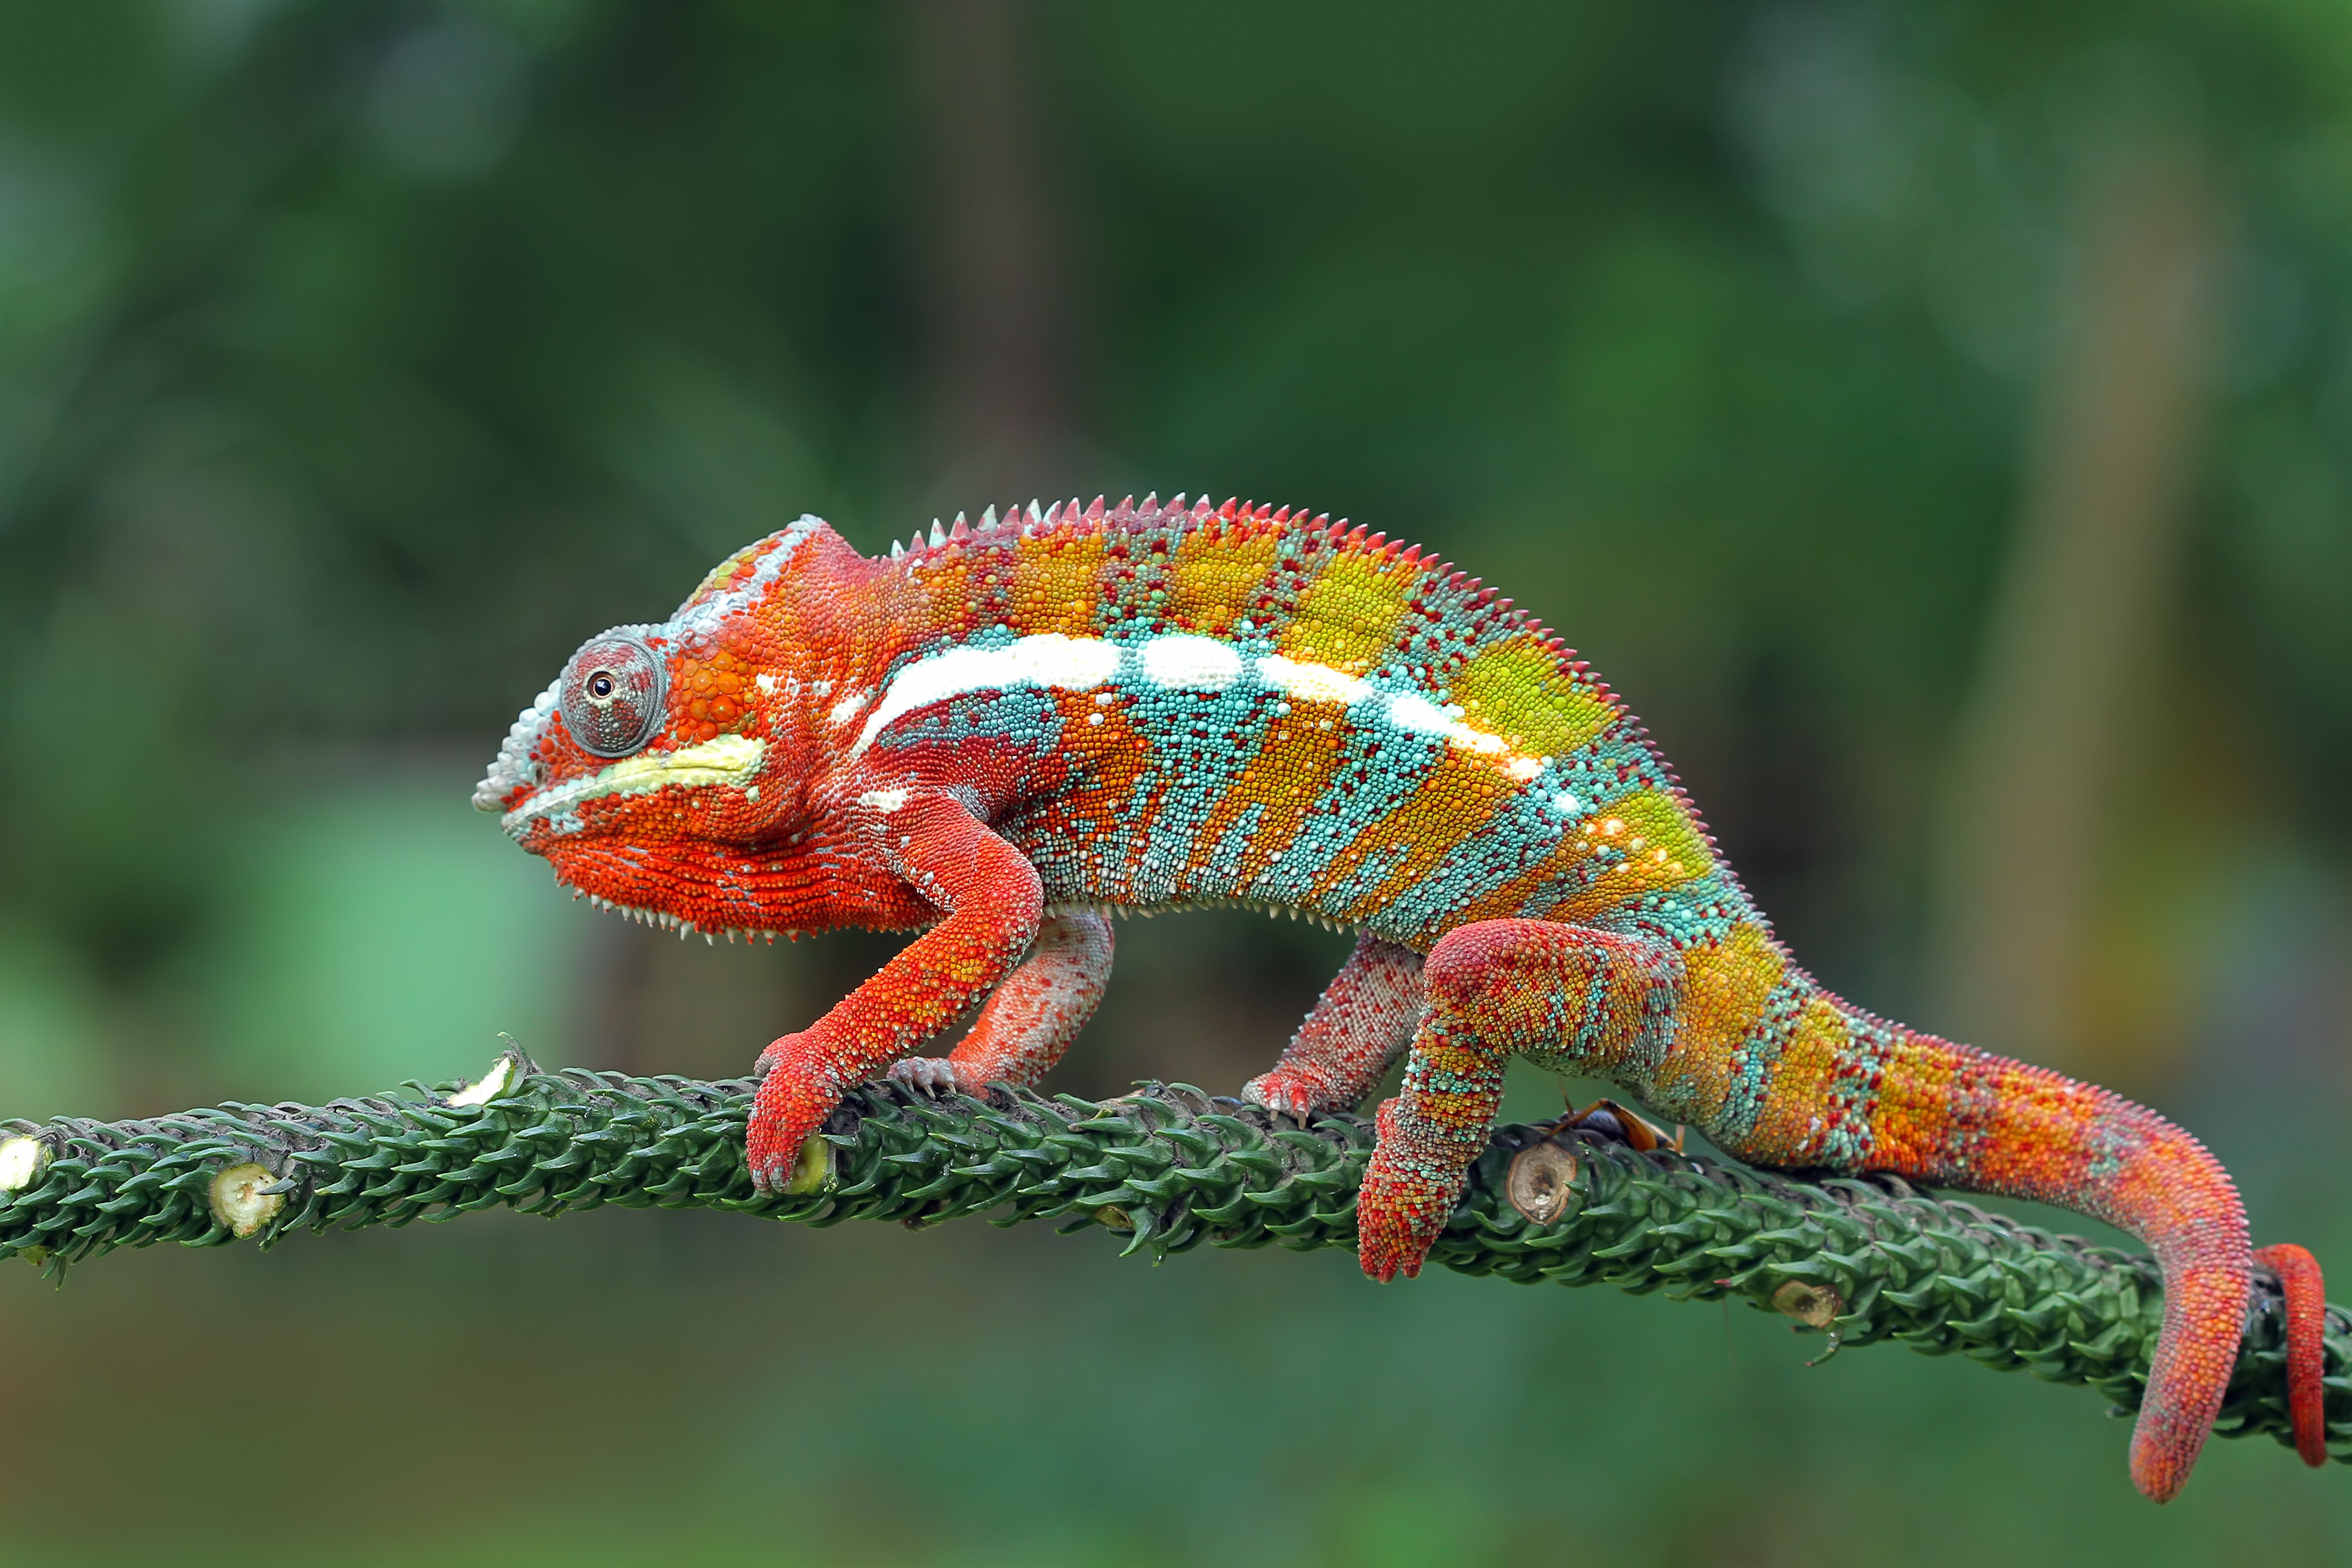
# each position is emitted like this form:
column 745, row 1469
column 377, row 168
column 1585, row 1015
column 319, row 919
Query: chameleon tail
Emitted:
column 1951, row 1115
column 2307, row 1330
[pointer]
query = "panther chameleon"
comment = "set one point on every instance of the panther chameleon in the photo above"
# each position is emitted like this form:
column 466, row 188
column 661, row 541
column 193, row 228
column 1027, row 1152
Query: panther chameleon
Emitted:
column 998, row 735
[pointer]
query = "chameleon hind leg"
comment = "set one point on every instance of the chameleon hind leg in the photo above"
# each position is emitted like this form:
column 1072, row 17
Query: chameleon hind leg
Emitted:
column 1362, row 1023
column 1495, row 989
column 1032, row 1017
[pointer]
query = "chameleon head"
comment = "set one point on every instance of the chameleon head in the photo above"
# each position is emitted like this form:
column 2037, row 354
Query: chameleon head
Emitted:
column 660, row 773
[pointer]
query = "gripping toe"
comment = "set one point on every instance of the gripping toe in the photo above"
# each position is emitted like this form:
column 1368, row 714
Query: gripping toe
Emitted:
column 1288, row 1092
column 932, row 1074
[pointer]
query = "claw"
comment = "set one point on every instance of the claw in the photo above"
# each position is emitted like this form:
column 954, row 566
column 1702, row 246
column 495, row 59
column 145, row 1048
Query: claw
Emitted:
column 1288, row 1094
column 932, row 1074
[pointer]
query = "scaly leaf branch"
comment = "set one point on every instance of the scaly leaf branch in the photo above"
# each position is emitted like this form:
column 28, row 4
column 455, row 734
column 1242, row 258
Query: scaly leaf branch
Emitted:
column 1170, row 1167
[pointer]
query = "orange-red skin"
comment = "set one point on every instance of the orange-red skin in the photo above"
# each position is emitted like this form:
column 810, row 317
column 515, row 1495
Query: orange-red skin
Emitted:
column 2307, row 1330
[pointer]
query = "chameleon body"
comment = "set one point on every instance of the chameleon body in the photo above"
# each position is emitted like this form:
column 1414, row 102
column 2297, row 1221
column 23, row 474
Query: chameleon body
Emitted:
column 999, row 734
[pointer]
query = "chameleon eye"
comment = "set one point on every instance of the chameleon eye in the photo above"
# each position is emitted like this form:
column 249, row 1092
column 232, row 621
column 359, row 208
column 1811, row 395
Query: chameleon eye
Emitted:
column 612, row 695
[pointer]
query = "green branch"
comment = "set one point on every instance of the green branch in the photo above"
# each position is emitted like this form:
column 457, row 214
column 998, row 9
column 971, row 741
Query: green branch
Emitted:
column 1170, row 1167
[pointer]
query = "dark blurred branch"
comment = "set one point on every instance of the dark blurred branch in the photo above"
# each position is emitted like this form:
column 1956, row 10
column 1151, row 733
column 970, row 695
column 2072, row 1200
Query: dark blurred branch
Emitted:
column 2081, row 609
column 991, row 252
column 1168, row 1166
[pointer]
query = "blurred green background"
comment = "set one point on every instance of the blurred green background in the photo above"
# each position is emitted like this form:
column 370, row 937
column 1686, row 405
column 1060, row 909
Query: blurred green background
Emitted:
column 1934, row 417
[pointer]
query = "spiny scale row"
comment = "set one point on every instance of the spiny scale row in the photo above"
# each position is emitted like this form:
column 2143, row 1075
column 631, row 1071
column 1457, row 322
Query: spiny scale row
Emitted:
column 1130, row 513
column 1029, row 519
column 1172, row 1169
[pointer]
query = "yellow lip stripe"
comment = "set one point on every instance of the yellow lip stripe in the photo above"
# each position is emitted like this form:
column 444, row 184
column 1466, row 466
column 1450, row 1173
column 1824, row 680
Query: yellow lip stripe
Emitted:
column 728, row 760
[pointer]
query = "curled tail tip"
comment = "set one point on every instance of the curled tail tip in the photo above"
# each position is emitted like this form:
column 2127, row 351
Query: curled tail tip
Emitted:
column 2193, row 1367
column 2160, row 1466
column 2307, row 1345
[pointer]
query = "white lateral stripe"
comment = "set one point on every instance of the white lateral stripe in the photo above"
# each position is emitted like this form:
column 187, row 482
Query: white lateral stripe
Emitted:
column 1185, row 663
column 1180, row 661
column 725, row 759
column 1405, row 709
column 1423, row 716
column 1048, row 659
column 1312, row 682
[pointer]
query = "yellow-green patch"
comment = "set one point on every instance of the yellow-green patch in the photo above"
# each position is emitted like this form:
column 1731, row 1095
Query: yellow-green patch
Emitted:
column 1218, row 575
column 1516, row 691
column 1350, row 612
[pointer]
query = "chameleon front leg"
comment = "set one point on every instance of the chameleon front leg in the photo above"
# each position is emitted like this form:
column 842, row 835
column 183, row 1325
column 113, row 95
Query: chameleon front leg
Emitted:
column 1365, row 1017
column 993, row 903
column 1030, row 1020
column 1494, row 989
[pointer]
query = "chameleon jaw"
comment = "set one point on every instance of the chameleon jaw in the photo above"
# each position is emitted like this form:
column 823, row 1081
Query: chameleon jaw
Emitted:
column 726, row 759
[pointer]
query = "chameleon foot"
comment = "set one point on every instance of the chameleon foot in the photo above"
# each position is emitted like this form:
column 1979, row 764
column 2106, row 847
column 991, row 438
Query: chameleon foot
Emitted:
column 1409, row 1189
column 793, row 1102
column 1289, row 1091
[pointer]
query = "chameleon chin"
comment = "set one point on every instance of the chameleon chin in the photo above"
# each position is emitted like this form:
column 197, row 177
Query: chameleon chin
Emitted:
column 998, row 735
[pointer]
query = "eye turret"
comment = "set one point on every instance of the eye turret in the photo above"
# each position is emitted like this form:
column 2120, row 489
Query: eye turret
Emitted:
column 612, row 695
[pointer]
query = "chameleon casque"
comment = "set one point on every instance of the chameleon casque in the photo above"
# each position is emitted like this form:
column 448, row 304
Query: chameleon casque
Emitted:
column 999, row 734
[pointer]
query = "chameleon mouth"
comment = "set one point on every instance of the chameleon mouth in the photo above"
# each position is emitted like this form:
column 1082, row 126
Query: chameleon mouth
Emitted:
column 726, row 759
